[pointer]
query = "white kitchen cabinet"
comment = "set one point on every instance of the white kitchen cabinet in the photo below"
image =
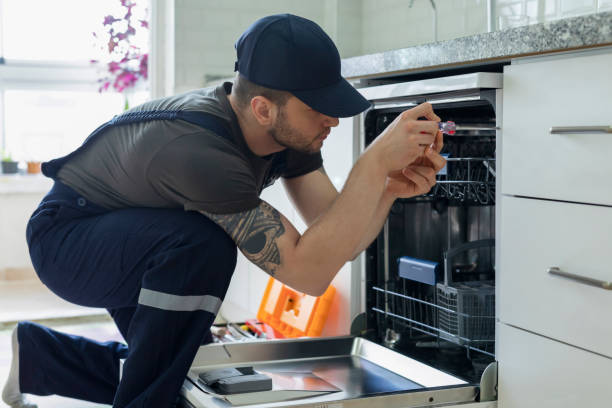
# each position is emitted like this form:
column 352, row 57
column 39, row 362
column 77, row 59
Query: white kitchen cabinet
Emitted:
column 539, row 234
column 536, row 372
column 562, row 91
column 553, row 340
column 19, row 197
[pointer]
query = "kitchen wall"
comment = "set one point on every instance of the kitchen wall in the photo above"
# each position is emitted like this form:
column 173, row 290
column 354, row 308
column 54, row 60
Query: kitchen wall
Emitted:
column 205, row 30
column 392, row 24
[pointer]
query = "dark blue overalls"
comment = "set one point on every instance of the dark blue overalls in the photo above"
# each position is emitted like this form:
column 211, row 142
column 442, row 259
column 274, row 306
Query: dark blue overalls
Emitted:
column 161, row 273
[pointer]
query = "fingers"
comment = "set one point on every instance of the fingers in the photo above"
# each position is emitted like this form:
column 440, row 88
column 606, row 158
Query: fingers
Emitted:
column 439, row 142
column 423, row 132
column 407, row 138
column 422, row 176
column 434, row 157
column 424, row 110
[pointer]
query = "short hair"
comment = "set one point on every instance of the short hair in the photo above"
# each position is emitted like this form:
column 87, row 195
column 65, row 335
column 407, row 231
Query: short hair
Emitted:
column 245, row 90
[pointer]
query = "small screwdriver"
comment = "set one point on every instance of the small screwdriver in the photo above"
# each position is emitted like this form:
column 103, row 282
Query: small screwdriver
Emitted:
column 448, row 128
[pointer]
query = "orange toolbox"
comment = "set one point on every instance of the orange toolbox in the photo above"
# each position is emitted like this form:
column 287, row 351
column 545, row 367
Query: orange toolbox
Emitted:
column 293, row 313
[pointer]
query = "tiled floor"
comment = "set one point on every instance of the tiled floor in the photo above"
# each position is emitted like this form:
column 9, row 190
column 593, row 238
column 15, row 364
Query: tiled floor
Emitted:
column 32, row 301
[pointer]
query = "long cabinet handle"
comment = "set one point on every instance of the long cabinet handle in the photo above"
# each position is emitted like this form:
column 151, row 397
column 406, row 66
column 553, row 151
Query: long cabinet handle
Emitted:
column 553, row 270
column 556, row 130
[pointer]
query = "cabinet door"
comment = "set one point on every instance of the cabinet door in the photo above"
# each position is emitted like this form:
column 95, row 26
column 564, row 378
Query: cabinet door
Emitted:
column 536, row 372
column 569, row 92
column 537, row 235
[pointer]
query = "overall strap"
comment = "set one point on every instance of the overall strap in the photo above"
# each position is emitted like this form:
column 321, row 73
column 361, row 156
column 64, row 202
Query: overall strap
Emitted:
column 203, row 119
column 207, row 121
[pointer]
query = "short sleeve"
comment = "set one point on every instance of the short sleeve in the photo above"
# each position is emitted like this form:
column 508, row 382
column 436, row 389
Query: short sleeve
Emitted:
column 202, row 171
column 299, row 163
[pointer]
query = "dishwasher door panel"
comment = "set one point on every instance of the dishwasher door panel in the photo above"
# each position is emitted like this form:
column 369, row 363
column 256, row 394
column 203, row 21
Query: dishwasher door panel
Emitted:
column 366, row 373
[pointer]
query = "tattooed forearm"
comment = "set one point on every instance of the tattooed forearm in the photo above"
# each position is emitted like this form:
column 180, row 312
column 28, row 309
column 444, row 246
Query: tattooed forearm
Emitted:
column 255, row 233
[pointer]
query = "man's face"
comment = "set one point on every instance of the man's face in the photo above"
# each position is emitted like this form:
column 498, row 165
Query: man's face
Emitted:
column 301, row 128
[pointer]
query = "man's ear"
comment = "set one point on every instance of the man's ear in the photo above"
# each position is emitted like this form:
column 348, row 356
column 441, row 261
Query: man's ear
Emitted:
column 264, row 110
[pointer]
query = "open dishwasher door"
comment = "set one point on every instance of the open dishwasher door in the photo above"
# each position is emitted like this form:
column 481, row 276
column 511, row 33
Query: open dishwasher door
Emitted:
column 425, row 287
column 361, row 374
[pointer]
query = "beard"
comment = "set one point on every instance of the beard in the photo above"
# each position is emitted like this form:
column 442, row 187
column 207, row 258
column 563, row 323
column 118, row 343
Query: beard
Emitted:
column 287, row 136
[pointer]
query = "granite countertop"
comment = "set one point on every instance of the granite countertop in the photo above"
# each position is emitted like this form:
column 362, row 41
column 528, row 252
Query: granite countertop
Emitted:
column 560, row 35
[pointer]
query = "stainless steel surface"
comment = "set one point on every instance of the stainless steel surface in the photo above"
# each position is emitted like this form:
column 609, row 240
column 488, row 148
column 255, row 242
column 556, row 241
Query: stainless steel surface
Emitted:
column 488, row 383
column 490, row 15
column 391, row 338
column 360, row 368
column 451, row 397
column 462, row 127
column 434, row 99
column 386, row 260
column 558, row 130
column 474, row 81
column 490, row 168
column 553, row 270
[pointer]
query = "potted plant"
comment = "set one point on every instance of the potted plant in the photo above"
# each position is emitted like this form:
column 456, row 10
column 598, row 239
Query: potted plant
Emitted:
column 33, row 166
column 9, row 166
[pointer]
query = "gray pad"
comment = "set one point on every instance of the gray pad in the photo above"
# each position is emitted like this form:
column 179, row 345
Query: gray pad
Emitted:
column 236, row 380
column 212, row 376
column 244, row 383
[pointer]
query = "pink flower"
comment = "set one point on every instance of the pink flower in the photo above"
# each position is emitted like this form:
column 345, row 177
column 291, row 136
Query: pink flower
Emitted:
column 111, row 46
column 113, row 67
column 125, row 80
column 143, row 66
column 104, row 86
column 128, row 63
column 110, row 20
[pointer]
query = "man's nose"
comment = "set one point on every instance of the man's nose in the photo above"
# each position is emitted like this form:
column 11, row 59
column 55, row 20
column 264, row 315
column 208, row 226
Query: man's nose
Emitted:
column 330, row 121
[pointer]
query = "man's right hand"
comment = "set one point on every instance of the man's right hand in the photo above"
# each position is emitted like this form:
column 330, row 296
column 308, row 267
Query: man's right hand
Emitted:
column 407, row 137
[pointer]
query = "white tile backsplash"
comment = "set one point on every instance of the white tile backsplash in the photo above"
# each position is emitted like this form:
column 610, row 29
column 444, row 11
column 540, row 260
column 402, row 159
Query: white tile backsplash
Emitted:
column 577, row 7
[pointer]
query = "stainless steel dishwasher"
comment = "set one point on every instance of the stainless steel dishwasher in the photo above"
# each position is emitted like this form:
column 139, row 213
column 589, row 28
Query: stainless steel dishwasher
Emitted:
column 426, row 285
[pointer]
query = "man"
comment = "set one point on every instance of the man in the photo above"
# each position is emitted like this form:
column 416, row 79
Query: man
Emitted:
column 144, row 219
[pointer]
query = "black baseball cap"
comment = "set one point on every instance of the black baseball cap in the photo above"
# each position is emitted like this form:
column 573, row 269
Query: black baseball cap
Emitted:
column 294, row 54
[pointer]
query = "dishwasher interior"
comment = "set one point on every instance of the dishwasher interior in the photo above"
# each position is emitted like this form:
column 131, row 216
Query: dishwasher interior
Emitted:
column 430, row 274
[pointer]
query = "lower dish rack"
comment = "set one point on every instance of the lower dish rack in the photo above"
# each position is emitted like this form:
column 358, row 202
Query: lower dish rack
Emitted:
column 423, row 314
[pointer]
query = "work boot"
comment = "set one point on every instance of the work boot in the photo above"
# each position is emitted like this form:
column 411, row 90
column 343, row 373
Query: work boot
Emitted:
column 11, row 395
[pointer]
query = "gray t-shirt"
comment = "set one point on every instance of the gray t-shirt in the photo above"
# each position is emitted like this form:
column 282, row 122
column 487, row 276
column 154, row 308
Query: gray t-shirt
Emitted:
column 176, row 164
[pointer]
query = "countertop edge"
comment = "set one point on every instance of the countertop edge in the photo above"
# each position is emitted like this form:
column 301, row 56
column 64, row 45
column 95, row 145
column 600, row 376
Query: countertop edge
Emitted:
column 594, row 30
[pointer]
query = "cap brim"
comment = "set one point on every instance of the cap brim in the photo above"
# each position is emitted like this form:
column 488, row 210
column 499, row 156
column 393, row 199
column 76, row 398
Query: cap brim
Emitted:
column 340, row 100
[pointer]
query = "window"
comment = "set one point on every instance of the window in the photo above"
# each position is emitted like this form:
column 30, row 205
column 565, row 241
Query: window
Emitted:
column 49, row 99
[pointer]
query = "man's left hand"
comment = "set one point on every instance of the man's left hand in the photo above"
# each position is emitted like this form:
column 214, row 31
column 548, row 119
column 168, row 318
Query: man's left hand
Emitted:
column 420, row 176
